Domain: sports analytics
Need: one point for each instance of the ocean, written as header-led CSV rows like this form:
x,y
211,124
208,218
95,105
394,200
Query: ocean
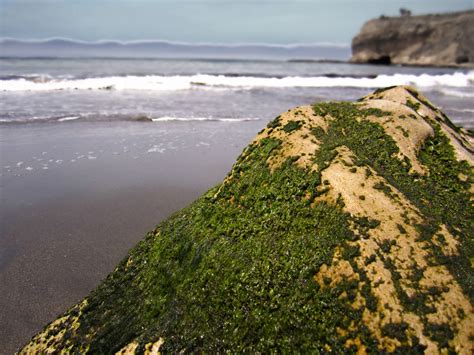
x,y
95,151
91,90
78,95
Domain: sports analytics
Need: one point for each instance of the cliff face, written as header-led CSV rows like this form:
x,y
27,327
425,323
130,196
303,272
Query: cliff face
x,y
342,227
432,40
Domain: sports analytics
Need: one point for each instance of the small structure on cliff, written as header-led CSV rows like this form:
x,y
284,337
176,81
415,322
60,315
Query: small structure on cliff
x,y
431,40
405,12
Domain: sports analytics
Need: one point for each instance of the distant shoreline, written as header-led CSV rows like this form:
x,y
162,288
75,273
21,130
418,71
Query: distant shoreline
x,y
465,66
165,49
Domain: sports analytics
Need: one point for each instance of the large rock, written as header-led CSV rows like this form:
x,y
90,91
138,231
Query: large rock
x,y
432,40
343,227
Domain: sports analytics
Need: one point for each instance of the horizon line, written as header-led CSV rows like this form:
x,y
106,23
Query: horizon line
x,y
182,43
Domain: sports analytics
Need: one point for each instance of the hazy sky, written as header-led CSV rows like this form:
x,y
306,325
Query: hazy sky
x,y
221,21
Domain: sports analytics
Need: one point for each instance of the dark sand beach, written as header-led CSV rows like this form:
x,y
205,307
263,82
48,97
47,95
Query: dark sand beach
x,y
65,228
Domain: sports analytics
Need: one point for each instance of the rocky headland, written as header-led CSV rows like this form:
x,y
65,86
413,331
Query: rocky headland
x,y
343,227
428,40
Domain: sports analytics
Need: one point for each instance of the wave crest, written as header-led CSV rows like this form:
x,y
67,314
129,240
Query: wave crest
x,y
206,82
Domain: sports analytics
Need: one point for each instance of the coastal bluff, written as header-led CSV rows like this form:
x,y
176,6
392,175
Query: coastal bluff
x,y
343,227
427,40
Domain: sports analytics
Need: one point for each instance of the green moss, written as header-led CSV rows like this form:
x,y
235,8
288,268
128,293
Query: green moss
x,y
366,223
370,259
350,252
415,106
376,112
275,123
318,132
378,91
292,126
396,330
404,131
401,229
441,333
386,246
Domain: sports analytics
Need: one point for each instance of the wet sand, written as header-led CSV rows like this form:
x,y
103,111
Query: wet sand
x,y
64,228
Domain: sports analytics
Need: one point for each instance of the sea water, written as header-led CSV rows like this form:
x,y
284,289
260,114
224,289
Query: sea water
x,y
160,90
115,100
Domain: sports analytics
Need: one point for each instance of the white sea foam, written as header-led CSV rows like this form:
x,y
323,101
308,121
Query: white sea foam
x,y
156,149
71,118
207,82
185,119
463,110
458,93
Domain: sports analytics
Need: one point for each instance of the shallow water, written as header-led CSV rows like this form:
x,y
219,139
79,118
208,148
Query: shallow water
x,y
63,90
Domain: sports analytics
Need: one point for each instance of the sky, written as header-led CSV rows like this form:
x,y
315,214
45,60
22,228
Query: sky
x,y
204,21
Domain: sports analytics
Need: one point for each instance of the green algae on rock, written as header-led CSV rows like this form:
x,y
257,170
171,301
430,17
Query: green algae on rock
x,y
343,227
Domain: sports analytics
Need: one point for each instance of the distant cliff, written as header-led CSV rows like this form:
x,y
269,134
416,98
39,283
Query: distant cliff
x,y
432,40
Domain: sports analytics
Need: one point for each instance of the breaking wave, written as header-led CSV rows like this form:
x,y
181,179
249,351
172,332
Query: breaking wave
x,y
120,117
187,119
210,82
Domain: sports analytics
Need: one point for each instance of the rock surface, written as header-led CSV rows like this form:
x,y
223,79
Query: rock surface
x,y
430,40
343,227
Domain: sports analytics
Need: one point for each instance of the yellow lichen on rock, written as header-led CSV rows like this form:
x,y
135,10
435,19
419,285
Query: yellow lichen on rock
x,y
129,349
150,348
154,348
50,339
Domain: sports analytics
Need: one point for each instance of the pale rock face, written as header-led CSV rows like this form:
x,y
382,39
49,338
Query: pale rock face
x,y
431,40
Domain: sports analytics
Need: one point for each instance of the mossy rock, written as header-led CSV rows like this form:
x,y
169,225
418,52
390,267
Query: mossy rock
x,y
343,227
